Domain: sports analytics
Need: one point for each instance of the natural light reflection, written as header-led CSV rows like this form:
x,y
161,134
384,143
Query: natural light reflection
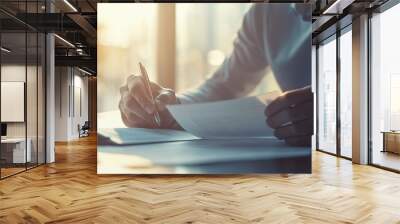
x,y
126,35
122,24
215,57
327,100
346,94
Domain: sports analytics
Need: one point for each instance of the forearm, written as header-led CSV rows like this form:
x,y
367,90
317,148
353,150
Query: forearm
x,y
223,85
203,94
213,89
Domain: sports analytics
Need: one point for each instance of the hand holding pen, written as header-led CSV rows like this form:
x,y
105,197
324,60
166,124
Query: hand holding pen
x,y
149,93
143,103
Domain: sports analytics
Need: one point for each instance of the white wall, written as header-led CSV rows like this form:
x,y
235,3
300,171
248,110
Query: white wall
x,y
79,117
13,101
16,73
70,84
62,81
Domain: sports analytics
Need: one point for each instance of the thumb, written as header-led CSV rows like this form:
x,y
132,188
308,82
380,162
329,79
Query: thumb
x,y
164,98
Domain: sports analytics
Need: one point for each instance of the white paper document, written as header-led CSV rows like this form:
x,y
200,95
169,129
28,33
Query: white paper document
x,y
131,136
243,118
239,118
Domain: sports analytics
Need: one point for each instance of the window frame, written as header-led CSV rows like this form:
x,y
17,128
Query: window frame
x,y
333,37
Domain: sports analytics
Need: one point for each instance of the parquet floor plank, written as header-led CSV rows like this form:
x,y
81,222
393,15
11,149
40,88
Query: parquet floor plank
x,y
70,191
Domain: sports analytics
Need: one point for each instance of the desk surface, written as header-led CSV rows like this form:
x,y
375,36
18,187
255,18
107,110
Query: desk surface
x,y
13,140
390,132
196,157
204,157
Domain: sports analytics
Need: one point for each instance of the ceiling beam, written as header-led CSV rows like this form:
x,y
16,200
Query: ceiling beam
x,y
78,61
84,24
337,7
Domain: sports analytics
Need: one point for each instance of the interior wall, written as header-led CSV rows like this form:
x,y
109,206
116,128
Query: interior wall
x,y
71,102
62,80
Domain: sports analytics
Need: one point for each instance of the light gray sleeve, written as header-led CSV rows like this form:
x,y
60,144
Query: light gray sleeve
x,y
242,70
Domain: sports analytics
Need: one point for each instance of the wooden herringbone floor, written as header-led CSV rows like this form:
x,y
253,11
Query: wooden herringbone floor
x,y
69,191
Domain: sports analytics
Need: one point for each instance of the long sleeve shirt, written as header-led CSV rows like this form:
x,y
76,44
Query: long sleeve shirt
x,y
272,35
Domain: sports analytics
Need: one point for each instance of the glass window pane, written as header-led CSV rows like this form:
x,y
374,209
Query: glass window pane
x,y
32,89
385,84
327,97
346,94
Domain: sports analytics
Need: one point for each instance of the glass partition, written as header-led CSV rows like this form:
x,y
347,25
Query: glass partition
x,y
14,153
31,99
22,88
346,94
385,89
327,96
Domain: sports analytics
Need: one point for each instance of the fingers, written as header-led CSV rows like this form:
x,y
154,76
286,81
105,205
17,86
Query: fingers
x,y
137,89
131,106
165,97
132,120
289,99
137,107
301,128
134,104
291,115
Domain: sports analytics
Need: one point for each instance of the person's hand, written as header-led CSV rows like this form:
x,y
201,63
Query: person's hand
x,y
137,108
291,115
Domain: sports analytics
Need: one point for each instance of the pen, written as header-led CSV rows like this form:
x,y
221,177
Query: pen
x,y
148,87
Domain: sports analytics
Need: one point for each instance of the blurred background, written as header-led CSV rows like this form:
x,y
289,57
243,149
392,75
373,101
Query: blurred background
x,y
179,44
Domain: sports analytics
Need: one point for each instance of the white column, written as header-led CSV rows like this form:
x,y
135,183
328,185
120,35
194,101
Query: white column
x,y
50,92
50,98
360,90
